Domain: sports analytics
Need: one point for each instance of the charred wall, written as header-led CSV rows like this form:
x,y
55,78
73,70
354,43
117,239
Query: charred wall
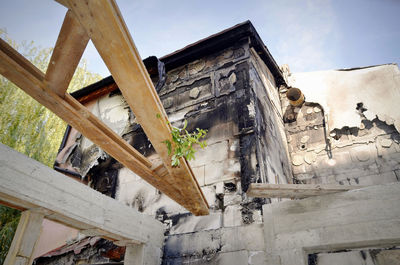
x,y
233,95
272,148
366,154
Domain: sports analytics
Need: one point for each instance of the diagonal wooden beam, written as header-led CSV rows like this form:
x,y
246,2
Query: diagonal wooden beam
x,y
295,191
25,75
71,43
111,38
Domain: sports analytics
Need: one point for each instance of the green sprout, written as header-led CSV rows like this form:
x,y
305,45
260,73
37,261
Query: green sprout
x,y
183,142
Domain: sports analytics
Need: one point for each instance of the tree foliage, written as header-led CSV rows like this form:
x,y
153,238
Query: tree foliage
x,y
29,127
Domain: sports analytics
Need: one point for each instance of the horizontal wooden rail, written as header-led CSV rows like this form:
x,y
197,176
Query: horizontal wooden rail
x,y
295,191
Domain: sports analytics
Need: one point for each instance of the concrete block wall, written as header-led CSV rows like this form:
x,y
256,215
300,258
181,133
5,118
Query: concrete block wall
x,y
335,228
226,245
233,95
364,155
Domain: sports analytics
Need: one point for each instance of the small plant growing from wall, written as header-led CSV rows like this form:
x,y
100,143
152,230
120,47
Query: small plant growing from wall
x,y
183,142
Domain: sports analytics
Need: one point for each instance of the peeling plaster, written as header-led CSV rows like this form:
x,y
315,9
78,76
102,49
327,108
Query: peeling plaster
x,y
114,113
339,92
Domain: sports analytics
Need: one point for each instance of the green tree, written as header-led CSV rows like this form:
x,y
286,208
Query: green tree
x,y
28,127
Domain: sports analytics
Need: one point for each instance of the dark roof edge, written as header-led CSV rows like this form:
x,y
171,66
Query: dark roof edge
x,y
203,47
93,87
364,67
220,41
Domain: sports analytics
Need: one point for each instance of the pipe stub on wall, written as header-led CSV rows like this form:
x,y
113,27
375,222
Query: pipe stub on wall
x,y
295,96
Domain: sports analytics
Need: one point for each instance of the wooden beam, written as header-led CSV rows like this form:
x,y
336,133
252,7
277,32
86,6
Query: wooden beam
x,y
295,191
71,43
30,79
25,238
69,110
111,37
29,184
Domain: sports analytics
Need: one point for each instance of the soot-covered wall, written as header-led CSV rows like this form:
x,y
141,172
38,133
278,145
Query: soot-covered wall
x,y
232,94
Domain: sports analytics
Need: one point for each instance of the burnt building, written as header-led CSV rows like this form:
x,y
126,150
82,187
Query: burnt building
x,y
342,131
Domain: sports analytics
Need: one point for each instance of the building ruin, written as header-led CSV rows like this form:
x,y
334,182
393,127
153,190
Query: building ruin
x,y
346,133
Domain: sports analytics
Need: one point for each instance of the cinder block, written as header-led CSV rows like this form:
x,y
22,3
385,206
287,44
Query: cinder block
x,y
199,174
233,216
260,258
232,199
209,193
387,177
221,171
212,153
192,243
230,258
191,223
222,131
248,237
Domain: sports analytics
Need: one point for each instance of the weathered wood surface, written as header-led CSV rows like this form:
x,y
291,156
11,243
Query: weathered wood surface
x,y
297,191
67,53
109,34
26,183
115,45
25,238
30,79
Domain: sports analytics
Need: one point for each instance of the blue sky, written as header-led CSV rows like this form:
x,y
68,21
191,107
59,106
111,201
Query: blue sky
x,y
308,35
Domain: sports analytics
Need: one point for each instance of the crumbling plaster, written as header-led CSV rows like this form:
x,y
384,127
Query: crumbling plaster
x,y
366,154
339,92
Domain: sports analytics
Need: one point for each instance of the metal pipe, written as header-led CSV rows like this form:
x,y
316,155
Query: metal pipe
x,y
295,96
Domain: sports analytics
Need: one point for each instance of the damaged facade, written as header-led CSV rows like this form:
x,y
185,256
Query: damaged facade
x,y
230,85
362,133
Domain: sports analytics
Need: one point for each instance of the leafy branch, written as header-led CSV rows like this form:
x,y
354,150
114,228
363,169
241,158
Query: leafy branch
x,y
183,142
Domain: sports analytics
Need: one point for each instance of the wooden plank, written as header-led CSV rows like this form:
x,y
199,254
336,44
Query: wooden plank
x,y
298,191
64,200
25,75
25,238
71,111
71,43
98,93
115,45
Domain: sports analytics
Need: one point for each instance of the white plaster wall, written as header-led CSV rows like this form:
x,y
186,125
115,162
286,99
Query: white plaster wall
x,y
339,91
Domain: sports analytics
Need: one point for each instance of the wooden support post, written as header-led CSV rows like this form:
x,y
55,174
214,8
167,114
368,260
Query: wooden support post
x,y
295,191
25,238
134,254
71,44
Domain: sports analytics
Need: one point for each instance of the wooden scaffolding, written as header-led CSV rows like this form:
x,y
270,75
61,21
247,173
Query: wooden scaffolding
x,y
43,193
